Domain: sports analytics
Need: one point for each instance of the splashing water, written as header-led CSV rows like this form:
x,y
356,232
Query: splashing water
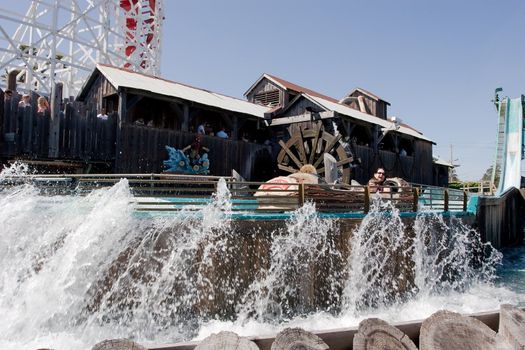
x,y
15,169
379,265
288,288
76,270
449,256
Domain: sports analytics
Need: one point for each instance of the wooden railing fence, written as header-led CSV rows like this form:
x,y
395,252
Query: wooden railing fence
x,y
170,192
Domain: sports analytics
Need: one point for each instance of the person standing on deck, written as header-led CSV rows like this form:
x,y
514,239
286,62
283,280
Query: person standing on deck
x,y
43,105
201,130
25,101
102,115
222,134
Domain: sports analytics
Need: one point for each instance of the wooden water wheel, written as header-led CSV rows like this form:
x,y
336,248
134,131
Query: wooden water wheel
x,y
308,146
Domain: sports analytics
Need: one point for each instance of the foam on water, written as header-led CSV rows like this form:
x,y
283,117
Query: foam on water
x,y
76,270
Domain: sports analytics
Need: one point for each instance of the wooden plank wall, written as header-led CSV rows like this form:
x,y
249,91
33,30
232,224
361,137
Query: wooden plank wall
x,y
416,169
500,220
143,151
82,136
25,132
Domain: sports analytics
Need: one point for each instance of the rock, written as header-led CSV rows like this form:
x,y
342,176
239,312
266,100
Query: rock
x,y
512,326
226,341
447,330
298,339
376,334
118,344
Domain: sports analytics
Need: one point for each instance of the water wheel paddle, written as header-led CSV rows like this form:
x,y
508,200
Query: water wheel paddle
x,y
308,146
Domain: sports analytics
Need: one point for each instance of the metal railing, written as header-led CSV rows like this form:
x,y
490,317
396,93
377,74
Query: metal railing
x,y
170,192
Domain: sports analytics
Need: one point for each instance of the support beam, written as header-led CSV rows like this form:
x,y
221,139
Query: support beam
x,y
185,118
54,125
122,120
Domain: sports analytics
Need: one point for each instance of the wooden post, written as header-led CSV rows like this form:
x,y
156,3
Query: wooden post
x,y
465,200
2,98
11,80
121,121
375,138
152,185
186,118
54,125
415,202
445,200
27,128
235,128
366,208
301,195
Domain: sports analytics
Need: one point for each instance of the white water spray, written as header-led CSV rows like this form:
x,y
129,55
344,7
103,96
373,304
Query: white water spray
x,y
288,288
379,268
75,270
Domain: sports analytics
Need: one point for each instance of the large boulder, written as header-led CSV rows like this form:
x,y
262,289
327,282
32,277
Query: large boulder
x,y
118,344
447,330
376,334
512,326
298,339
226,341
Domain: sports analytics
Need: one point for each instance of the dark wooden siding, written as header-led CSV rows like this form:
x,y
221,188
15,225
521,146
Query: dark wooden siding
x,y
500,219
143,151
100,89
416,168
84,137
266,86
81,136
374,107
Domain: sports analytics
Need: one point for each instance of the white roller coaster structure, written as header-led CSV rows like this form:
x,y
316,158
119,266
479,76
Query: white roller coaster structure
x,y
62,40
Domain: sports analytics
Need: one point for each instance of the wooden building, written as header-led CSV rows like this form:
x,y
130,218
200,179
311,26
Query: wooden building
x,y
280,127
149,113
366,102
358,120
441,171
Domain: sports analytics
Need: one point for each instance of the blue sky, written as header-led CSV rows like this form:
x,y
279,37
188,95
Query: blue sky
x,y
436,62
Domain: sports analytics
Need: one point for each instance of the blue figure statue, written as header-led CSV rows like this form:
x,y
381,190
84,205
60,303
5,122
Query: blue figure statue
x,y
192,163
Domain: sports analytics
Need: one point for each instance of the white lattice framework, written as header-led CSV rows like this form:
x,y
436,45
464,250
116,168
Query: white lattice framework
x,y
62,40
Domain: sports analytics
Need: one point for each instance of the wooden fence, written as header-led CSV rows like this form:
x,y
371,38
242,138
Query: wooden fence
x,y
81,136
500,219
143,151
84,136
